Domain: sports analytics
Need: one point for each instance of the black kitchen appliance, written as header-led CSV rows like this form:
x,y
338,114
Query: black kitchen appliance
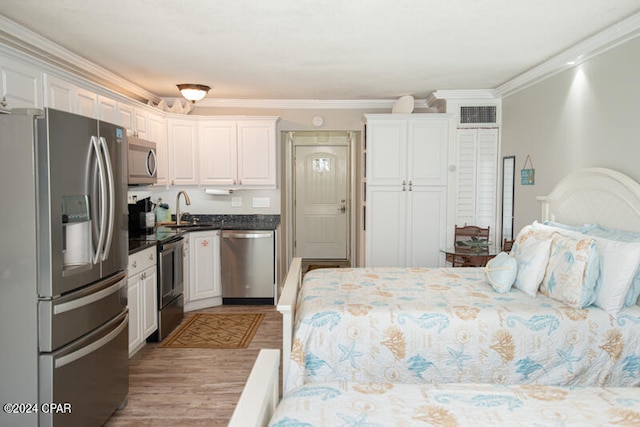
x,y
142,217
170,286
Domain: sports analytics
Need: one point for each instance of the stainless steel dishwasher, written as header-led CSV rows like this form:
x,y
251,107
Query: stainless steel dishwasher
x,y
248,267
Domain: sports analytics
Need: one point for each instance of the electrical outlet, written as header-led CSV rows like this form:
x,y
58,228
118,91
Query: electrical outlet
x,y
236,202
261,202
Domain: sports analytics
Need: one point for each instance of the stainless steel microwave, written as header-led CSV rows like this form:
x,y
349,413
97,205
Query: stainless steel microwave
x,y
143,163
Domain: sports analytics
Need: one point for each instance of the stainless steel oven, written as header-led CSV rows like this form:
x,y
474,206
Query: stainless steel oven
x,y
170,286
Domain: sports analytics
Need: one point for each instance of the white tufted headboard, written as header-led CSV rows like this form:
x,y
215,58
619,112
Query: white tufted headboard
x,y
594,196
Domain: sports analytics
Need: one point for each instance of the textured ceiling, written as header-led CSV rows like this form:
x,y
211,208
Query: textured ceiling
x,y
304,49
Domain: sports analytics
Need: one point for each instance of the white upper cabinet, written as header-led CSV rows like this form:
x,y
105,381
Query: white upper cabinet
x,y
66,96
141,123
427,151
257,153
59,94
183,151
386,152
158,134
413,151
218,152
86,103
20,85
135,120
107,109
238,153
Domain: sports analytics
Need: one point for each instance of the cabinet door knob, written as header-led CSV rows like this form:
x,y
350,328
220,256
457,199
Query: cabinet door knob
x,y
4,101
134,264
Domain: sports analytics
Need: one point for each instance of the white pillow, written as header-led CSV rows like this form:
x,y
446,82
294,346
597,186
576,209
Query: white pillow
x,y
531,252
619,262
621,236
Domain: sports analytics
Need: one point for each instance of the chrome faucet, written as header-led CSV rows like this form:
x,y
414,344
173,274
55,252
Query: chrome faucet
x,y
186,199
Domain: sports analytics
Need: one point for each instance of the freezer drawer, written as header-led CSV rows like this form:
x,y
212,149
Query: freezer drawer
x,y
247,265
62,320
91,375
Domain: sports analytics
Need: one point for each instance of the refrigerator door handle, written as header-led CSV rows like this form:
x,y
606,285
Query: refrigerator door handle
x,y
103,199
91,298
111,197
72,357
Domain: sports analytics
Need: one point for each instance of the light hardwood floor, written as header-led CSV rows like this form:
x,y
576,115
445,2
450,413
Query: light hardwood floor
x,y
193,387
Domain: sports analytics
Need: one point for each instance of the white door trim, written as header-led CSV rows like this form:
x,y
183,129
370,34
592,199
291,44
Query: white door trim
x,y
288,137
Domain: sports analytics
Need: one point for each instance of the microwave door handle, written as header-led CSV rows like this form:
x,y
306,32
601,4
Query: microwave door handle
x,y
103,199
152,162
111,196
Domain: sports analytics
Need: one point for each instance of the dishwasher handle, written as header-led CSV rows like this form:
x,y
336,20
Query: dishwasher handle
x,y
237,235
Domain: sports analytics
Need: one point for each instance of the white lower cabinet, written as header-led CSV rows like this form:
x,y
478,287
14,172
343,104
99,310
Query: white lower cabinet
x,y
142,298
205,288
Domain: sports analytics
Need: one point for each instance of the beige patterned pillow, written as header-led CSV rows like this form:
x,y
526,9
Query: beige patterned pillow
x,y
564,278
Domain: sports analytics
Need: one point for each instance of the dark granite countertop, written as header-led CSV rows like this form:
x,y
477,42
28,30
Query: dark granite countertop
x,y
202,223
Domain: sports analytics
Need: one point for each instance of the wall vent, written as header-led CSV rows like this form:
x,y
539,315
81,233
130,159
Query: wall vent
x,y
478,114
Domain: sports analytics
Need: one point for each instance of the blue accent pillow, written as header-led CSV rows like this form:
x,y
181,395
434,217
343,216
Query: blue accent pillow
x,y
579,228
501,272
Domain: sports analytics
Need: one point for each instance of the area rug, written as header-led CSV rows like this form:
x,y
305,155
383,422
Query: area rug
x,y
215,330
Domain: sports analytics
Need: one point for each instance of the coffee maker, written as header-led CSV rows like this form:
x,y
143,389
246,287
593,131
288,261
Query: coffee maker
x,y
142,217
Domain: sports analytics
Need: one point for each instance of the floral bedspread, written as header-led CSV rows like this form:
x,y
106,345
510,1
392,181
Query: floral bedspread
x,y
451,405
447,325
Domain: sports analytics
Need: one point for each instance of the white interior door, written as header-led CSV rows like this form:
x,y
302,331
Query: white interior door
x,y
321,202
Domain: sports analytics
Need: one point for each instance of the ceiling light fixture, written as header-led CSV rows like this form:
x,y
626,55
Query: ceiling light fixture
x,y
193,92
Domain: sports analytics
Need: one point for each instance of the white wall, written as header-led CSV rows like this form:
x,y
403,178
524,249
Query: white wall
x,y
586,116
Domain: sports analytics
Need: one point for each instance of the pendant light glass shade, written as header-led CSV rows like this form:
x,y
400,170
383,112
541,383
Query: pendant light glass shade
x,y
193,92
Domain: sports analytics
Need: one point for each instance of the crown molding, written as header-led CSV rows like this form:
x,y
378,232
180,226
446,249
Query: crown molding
x,y
305,104
595,45
26,41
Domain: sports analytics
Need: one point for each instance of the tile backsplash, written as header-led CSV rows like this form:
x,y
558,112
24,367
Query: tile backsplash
x,y
238,202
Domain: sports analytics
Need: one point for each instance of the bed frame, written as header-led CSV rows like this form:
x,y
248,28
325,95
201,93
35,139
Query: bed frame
x,y
586,196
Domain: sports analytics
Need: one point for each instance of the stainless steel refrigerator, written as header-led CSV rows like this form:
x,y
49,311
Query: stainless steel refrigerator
x,y
63,277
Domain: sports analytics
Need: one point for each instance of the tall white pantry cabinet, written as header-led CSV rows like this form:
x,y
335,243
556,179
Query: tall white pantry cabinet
x,y
405,181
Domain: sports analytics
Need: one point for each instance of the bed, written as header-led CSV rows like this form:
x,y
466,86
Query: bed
x,y
449,325
375,404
